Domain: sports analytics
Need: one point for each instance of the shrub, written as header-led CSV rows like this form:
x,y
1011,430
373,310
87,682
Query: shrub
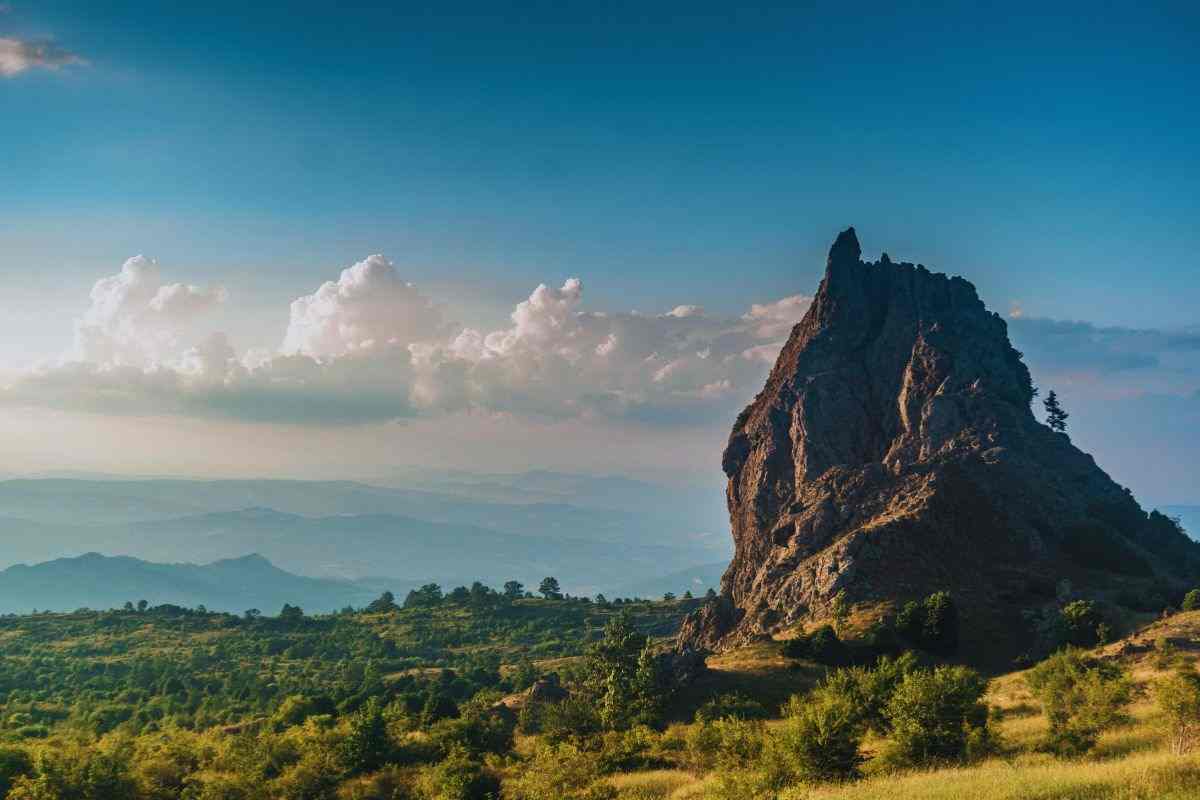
x,y
14,762
820,739
457,777
563,772
931,624
571,720
733,705
822,646
936,714
1080,698
1178,698
1191,600
1078,623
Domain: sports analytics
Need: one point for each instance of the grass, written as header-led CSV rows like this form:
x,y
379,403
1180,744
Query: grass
x,y
1130,762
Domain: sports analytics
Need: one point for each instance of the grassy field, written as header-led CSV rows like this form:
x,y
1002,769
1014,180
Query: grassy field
x,y
1131,762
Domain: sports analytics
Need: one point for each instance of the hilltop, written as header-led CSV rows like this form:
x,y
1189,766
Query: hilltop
x,y
893,453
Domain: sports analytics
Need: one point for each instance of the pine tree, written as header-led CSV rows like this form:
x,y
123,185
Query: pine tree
x,y
1056,417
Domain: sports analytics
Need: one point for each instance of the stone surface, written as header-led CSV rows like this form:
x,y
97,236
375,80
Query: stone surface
x,y
893,452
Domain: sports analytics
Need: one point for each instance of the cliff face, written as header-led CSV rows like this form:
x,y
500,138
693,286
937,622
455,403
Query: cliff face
x,y
893,453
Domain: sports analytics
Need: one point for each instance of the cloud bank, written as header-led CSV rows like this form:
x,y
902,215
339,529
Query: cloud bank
x,y
18,55
371,347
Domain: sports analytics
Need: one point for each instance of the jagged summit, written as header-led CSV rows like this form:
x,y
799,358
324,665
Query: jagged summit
x,y
893,453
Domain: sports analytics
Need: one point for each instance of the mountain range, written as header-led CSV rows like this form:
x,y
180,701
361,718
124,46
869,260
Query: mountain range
x,y
236,584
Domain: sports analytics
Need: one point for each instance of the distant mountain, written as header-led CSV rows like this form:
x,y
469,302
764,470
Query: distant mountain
x,y
405,549
103,502
613,532
96,581
696,580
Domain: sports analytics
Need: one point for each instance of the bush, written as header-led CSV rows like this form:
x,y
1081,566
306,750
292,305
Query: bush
x,y
931,624
820,739
822,646
1080,698
563,772
1191,600
733,705
1078,623
458,777
937,716
1178,698
14,762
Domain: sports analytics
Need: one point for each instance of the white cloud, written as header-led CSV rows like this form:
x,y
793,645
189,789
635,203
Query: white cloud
x,y
135,319
370,346
368,306
17,56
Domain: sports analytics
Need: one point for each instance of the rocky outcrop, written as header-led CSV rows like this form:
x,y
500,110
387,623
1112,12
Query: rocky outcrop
x,y
893,452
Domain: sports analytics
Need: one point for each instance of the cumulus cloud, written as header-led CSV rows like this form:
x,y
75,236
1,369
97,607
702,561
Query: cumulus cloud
x,y
369,305
135,319
371,346
18,55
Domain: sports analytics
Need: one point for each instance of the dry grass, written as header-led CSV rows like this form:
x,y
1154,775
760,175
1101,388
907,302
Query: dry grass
x,y
1130,762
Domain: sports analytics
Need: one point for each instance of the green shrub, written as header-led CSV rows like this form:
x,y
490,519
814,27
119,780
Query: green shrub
x,y
562,772
1078,623
937,716
1080,697
931,624
733,705
820,739
822,646
457,777
14,762
1178,698
1191,600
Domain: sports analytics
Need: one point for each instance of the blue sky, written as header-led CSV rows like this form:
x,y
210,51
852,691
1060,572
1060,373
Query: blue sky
x,y
665,153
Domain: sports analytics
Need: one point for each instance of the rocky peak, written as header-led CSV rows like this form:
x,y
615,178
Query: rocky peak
x,y
893,453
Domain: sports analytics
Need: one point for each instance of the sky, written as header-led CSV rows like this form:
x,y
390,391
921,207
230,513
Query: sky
x,y
322,240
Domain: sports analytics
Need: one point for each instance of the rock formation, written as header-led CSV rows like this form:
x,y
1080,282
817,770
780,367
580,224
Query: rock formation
x,y
893,453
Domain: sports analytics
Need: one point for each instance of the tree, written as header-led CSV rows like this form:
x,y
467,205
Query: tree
x,y
688,595
668,597
622,676
253,613
514,589
1178,697
839,609
549,589
290,613
385,602
142,605
711,594
1056,417
366,746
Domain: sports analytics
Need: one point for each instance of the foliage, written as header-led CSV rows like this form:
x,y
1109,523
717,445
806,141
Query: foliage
x,y
562,771
1056,416
931,624
1080,698
1178,698
937,716
734,705
822,646
1191,600
1079,622
820,738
